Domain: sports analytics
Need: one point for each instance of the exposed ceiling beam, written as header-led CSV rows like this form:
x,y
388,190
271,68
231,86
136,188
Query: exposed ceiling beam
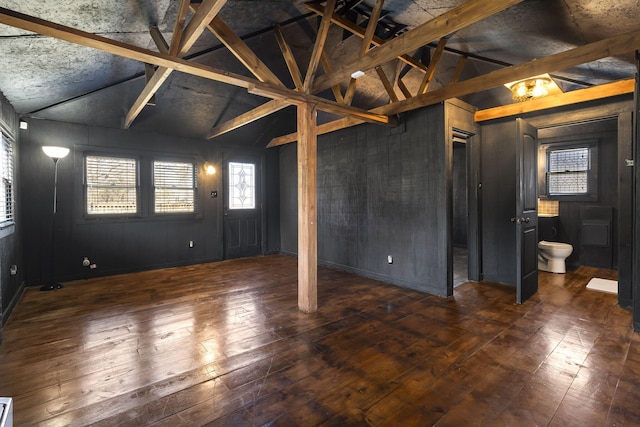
x,y
241,51
371,28
613,46
158,39
296,98
82,38
607,90
364,47
335,125
433,64
207,10
458,71
327,68
449,22
248,117
187,38
388,86
46,28
355,29
289,59
318,46
72,35
178,27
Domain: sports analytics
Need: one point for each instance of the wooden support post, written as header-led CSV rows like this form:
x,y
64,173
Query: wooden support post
x,y
307,227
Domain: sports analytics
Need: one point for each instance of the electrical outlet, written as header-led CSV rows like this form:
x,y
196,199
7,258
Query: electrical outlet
x,y
13,270
389,259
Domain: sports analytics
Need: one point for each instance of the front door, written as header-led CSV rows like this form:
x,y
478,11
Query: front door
x,y
242,207
526,216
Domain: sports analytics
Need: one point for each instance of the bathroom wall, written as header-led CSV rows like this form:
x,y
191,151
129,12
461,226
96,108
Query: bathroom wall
x,y
606,132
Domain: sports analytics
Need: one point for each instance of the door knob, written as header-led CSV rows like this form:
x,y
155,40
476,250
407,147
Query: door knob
x,y
526,219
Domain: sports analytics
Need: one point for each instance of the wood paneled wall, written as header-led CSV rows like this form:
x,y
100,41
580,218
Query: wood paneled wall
x,y
10,238
380,193
121,245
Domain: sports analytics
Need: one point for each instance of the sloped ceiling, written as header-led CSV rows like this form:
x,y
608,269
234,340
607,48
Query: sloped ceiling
x,y
44,77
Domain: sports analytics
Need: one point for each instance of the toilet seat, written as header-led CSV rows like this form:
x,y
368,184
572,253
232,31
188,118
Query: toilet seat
x,y
544,243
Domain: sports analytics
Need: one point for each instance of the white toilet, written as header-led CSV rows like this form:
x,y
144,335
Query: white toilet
x,y
551,256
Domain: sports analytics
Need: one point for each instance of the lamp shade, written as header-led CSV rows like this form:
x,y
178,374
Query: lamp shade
x,y
55,152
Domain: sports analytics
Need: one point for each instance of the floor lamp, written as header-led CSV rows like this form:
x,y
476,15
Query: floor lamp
x,y
56,153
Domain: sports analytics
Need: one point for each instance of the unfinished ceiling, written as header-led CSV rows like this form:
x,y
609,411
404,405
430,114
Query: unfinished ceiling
x,y
45,77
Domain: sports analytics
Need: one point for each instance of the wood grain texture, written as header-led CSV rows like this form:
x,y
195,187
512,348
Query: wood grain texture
x,y
449,22
606,90
307,215
224,344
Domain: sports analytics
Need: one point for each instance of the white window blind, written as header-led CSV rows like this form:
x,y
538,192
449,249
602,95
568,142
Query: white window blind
x,y
175,186
242,186
6,174
111,185
568,171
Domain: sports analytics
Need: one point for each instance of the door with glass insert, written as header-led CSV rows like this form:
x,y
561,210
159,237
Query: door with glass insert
x,y
242,213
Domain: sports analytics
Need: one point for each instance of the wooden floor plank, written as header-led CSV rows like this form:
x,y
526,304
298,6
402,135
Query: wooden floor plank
x,y
225,344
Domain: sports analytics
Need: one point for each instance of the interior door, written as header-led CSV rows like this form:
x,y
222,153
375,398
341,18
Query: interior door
x,y
526,216
509,206
242,207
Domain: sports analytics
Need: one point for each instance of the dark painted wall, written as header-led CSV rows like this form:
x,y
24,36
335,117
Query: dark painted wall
x,y
381,191
122,245
11,286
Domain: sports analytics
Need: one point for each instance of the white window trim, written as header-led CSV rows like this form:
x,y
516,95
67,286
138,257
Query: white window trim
x,y
191,206
88,185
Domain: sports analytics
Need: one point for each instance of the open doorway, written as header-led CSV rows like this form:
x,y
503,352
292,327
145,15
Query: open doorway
x,y
459,232
465,207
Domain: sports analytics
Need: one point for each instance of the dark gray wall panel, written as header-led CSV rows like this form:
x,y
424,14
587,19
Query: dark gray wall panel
x,y
570,220
381,191
120,245
11,286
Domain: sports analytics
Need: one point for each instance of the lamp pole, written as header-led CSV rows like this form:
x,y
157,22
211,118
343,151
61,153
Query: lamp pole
x,y
56,153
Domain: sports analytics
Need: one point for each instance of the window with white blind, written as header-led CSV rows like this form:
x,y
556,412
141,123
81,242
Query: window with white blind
x,y
111,185
174,186
571,171
6,172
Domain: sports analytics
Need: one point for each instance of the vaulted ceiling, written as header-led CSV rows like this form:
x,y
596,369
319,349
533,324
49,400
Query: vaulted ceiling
x,y
215,66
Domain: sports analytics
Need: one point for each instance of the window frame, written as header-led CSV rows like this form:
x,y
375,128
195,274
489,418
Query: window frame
x,y
85,186
592,173
195,188
7,223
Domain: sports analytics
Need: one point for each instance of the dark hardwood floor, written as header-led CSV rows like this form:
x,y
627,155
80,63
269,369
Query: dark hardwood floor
x,y
224,344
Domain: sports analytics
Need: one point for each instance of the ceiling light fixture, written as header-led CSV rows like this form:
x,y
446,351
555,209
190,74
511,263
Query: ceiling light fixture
x,y
528,89
357,74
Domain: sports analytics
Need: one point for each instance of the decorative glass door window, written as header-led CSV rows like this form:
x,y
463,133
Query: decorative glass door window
x,y
242,185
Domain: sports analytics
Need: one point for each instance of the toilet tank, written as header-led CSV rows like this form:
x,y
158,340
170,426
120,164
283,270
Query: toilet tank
x,y
548,227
